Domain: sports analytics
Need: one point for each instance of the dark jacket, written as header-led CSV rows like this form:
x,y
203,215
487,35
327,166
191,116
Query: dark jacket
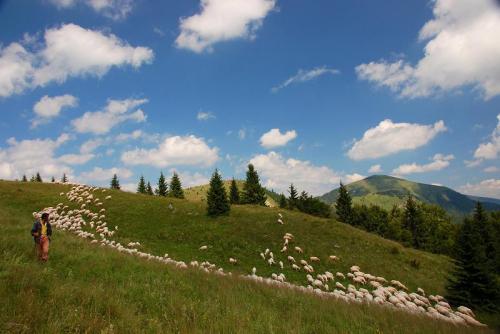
x,y
37,227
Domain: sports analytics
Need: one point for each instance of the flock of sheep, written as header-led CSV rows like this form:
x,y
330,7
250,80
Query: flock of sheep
x,y
88,221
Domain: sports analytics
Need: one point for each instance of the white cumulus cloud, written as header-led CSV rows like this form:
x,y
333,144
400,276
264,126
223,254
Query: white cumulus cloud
x,y
305,75
375,169
462,50
67,51
274,138
388,138
174,151
50,107
486,188
222,20
114,113
113,9
439,162
99,174
30,156
204,116
491,149
278,172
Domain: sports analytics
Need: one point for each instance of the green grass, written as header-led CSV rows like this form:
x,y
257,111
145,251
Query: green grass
x,y
87,288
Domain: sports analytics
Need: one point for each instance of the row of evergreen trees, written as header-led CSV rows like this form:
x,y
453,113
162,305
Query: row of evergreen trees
x,y
218,201
418,225
304,203
474,244
163,187
38,178
475,282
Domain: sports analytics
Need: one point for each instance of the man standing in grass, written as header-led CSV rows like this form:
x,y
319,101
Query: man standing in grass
x,y
41,232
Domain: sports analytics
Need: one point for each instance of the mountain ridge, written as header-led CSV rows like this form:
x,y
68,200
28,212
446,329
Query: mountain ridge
x,y
387,191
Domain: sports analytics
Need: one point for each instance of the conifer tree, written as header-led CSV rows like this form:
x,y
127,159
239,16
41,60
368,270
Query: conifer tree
x,y
38,178
343,205
412,221
282,201
64,178
149,189
141,187
217,201
162,186
473,282
25,179
115,183
234,193
53,180
293,199
253,192
176,187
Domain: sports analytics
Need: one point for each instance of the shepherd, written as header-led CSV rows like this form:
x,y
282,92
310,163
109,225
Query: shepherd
x,y
41,232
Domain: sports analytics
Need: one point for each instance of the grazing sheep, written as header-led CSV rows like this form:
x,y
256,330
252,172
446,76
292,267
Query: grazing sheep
x,y
421,291
262,256
295,267
355,268
108,197
466,310
340,275
233,261
333,258
314,259
299,250
280,215
281,264
254,271
340,285
283,249
267,251
303,262
270,261
204,247
280,221
291,259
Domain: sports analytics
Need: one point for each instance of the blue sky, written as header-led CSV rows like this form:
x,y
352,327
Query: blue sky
x,y
311,92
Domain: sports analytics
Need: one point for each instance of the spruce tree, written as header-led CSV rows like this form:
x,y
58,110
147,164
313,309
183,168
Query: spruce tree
x,y
149,189
115,183
64,178
162,186
176,187
282,201
293,199
343,205
253,192
141,187
25,179
473,282
412,221
217,201
53,180
234,193
38,178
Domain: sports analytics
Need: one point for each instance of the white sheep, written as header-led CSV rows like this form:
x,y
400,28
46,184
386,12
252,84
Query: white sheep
x,y
204,247
233,261
280,221
291,259
299,250
295,267
283,249
314,259
333,258
281,264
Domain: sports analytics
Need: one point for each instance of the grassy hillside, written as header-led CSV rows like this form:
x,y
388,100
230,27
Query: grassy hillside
x,y
387,191
85,287
199,193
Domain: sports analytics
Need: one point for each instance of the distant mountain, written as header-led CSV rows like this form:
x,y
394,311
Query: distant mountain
x,y
387,191
484,199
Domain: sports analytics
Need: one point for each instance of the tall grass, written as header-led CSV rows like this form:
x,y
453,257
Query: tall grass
x,y
87,288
